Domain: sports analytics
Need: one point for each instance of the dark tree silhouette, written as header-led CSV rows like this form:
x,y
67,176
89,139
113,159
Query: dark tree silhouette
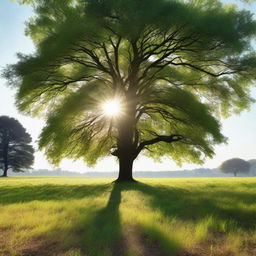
x,y
252,163
235,165
175,66
16,153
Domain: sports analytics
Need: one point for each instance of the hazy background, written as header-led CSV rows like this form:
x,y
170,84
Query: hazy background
x,y
239,129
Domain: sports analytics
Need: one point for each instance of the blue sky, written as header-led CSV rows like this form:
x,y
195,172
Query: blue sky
x,y
239,129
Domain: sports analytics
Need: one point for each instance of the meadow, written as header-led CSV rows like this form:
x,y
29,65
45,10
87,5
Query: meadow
x,y
153,217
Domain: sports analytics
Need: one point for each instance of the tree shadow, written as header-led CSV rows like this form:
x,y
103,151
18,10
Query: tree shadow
x,y
107,235
103,235
48,192
194,206
102,231
93,233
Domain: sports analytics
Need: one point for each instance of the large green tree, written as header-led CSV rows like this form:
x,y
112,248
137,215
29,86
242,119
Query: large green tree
x,y
175,67
16,153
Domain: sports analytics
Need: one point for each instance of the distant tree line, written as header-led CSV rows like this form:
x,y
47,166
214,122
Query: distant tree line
x,y
200,172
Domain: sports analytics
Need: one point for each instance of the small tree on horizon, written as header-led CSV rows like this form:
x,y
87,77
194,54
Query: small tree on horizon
x,y
175,67
235,165
16,153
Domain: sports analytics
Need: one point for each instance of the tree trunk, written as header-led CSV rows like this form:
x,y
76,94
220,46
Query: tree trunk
x,y
5,155
235,174
126,141
125,168
5,172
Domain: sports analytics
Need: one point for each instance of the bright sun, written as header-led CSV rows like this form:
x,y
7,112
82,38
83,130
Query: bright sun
x,y
112,108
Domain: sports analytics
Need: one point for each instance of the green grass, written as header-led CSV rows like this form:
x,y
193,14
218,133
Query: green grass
x,y
95,217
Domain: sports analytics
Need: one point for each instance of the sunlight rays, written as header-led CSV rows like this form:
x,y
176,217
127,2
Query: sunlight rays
x,y
112,108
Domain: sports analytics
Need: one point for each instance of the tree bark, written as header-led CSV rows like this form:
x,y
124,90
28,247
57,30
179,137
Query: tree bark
x,y
126,153
127,139
125,169
126,142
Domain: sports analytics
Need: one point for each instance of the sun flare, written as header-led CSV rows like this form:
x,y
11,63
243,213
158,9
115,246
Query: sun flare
x,y
112,108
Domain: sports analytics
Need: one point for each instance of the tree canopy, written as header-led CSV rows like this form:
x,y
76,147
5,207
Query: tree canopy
x,y
235,165
16,153
175,67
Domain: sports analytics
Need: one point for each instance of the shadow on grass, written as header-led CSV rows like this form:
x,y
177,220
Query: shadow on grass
x,y
103,234
189,205
22,194
100,232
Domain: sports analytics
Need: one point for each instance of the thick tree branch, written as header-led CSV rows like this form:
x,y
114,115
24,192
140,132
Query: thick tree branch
x,y
160,138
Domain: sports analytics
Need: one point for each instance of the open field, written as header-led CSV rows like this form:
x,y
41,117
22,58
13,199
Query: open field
x,y
77,216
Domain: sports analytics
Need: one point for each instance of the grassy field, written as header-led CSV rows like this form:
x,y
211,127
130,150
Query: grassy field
x,y
154,217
